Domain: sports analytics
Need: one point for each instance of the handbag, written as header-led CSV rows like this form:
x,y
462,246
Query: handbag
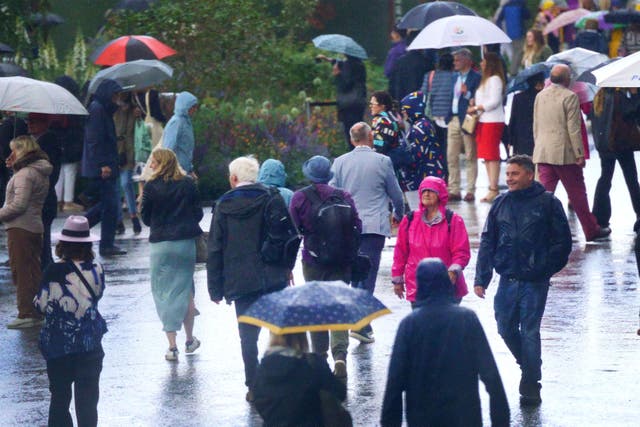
x,y
469,124
201,247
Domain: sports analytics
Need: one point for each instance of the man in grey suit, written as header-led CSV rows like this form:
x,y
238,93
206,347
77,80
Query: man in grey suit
x,y
369,178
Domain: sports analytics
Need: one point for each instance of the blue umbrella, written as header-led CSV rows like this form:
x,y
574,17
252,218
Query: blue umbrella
x,y
519,82
340,44
315,306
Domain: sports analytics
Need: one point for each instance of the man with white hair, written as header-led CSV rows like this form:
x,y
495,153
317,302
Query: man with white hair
x,y
236,267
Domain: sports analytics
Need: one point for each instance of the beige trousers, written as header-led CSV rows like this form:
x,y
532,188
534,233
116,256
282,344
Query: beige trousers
x,y
455,141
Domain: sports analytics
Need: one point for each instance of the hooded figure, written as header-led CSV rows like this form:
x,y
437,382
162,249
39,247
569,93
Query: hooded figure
x,y
100,142
178,133
441,237
439,352
272,173
426,152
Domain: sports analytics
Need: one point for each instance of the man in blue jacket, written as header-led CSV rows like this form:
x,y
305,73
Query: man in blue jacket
x,y
100,164
526,239
463,85
514,14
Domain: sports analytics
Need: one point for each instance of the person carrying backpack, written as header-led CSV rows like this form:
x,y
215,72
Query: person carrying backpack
x,y
328,220
432,231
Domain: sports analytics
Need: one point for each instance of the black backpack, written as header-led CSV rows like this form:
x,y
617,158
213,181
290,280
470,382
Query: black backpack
x,y
281,239
335,238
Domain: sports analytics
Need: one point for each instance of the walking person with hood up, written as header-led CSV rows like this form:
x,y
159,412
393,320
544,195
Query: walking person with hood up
x,y
178,133
430,231
440,352
100,164
272,173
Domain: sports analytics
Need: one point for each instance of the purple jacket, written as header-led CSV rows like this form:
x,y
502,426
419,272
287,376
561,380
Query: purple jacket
x,y
397,50
301,214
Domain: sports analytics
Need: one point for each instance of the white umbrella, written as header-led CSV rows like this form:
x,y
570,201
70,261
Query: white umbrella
x,y
22,94
624,72
134,75
459,30
579,59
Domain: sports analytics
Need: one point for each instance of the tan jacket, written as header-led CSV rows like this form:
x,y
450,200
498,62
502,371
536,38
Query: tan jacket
x,y
556,127
26,192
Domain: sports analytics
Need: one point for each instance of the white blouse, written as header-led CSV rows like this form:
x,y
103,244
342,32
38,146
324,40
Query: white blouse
x,y
489,96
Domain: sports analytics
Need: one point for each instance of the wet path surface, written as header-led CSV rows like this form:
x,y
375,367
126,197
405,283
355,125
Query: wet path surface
x,y
590,348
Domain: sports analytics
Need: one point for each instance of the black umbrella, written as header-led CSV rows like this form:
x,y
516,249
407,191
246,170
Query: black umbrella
x,y
8,69
588,77
519,82
134,5
424,14
622,17
6,48
46,20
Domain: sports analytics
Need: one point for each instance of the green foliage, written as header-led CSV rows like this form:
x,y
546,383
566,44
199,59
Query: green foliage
x,y
227,48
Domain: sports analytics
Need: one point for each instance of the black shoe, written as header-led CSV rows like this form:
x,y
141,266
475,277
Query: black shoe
x,y
120,228
636,226
137,228
530,394
112,250
601,234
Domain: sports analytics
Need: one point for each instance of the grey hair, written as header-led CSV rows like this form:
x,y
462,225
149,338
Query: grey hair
x,y
463,52
360,132
244,168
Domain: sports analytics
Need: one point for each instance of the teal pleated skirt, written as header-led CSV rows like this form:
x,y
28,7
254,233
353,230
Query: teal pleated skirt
x,y
172,267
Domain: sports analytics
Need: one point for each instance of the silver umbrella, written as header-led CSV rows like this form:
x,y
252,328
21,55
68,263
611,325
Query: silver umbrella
x,y
22,94
340,44
134,75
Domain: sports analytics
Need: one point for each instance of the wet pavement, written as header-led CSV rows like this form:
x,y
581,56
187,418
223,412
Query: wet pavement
x,y
589,342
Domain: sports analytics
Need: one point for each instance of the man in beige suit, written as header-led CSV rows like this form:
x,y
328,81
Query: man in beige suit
x,y
558,151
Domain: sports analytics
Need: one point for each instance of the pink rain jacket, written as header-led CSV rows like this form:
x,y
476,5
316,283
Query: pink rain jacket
x,y
418,240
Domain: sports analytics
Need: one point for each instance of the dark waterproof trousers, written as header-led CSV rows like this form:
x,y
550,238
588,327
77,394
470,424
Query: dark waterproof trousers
x,y
519,306
105,211
83,371
601,199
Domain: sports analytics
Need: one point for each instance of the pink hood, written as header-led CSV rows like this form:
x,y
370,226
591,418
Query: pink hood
x,y
439,186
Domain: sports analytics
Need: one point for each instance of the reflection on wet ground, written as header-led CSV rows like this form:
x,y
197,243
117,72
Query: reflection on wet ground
x,y
590,346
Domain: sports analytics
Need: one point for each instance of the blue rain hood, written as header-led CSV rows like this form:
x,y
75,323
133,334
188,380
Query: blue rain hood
x,y
184,102
272,173
414,105
178,133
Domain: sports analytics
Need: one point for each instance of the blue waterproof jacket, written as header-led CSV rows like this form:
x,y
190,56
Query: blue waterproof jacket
x,y
178,133
272,173
526,237
100,142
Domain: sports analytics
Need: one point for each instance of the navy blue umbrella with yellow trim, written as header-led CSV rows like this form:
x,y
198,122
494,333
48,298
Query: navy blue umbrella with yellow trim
x,y
315,306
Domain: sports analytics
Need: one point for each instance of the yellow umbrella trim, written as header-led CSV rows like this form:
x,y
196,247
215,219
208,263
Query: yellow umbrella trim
x,y
313,328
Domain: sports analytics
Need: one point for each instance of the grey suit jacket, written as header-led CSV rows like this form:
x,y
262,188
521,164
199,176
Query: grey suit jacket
x,y
369,178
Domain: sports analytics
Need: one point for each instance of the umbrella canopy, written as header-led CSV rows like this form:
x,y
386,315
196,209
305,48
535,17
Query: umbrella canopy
x,y
579,59
314,306
340,44
519,82
624,72
130,48
22,94
8,69
424,14
598,15
134,75
622,17
134,5
46,20
588,76
459,30
565,18
4,48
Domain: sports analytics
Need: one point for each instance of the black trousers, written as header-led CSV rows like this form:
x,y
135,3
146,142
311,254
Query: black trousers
x,y
83,371
601,199
248,339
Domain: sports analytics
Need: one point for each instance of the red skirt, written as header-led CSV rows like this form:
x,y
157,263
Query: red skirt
x,y
488,136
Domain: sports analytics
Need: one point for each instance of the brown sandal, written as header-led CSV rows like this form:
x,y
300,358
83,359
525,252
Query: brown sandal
x,y
491,195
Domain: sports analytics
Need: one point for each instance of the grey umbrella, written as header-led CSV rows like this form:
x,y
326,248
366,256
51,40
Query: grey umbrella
x,y
340,44
8,69
134,75
6,48
46,20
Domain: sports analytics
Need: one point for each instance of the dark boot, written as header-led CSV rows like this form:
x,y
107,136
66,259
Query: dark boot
x,y
530,393
120,229
137,228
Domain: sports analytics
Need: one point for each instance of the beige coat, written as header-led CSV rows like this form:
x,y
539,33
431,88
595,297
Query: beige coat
x,y
556,127
26,192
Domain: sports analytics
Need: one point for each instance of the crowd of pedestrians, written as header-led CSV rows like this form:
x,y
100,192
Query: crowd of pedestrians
x,y
398,176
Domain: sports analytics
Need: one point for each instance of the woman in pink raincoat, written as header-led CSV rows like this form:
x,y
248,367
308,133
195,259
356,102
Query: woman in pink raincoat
x,y
430,231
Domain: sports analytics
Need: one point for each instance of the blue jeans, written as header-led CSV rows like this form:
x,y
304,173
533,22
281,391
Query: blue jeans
x,y
519,306
371,245
129,191
106,210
